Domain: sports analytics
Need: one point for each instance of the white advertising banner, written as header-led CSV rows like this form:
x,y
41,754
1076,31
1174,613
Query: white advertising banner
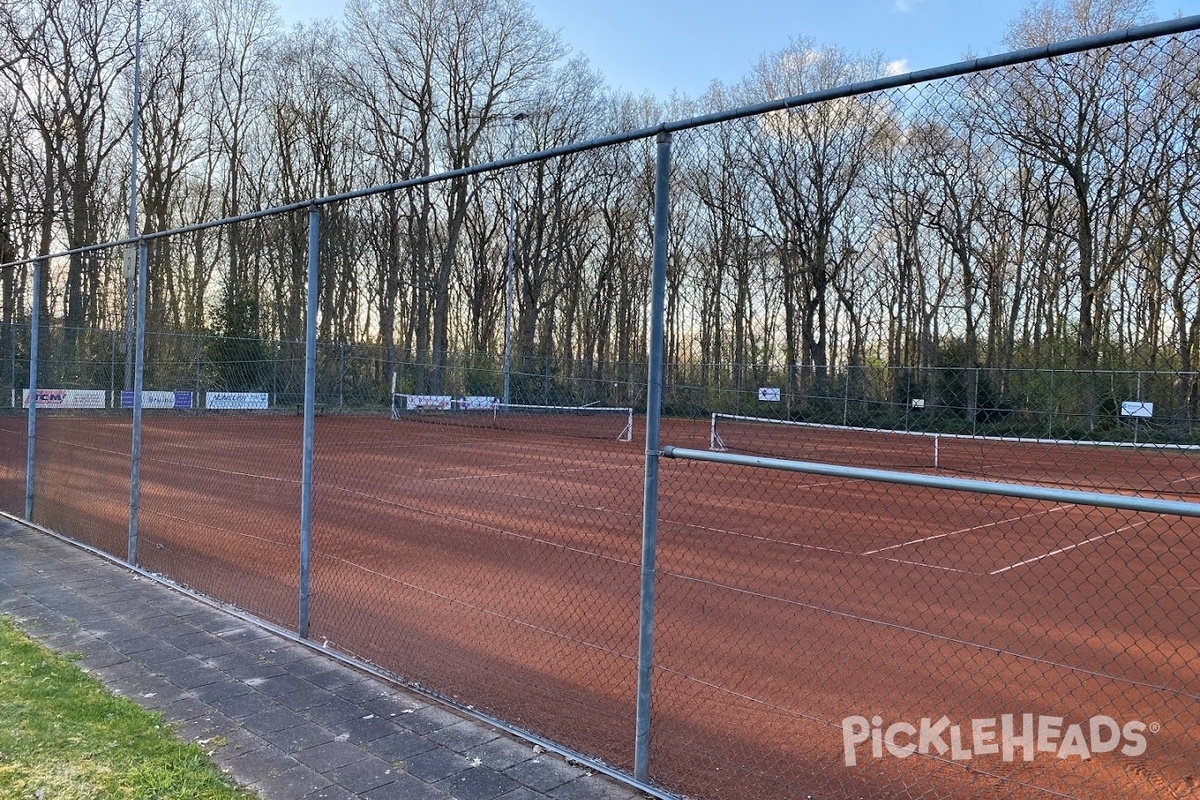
x,y
437,402
480,403
1137,408
150,399
67,398
236,401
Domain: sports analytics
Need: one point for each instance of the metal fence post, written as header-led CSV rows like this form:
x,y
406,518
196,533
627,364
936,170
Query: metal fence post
x,y
341,374
139,368
199,366
310,392
31,427
641,757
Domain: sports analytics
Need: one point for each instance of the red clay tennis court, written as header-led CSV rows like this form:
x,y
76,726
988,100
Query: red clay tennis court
x,y
500,568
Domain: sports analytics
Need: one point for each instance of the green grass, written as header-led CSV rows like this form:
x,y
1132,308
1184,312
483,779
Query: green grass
x,y
63,736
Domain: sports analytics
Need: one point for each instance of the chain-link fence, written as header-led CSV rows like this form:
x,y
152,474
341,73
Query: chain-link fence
x,y
916,514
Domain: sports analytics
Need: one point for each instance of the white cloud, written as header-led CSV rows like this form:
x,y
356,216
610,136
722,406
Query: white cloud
x,y
897,67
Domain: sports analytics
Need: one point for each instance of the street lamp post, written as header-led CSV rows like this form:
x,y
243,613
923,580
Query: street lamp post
x,y
130,266
510,278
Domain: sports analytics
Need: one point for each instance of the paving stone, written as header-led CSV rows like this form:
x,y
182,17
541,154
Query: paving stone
x,y
258,765
478,783
361,691
221,690
304,699
543,773
501,753
281,685
334,792
295,784
185,708
522,793
366,728
312,665
592,787
330,756
463,735
336,678
245,666
299,737
272,721
426,720
436,764
333,712
405,787
401,746
364,775
392,705
244,705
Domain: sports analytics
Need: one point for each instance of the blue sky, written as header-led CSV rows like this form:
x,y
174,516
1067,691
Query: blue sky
x,y
676,44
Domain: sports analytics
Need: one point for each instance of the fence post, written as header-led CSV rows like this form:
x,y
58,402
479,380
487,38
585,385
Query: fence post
x,y
341,374
139,367
846,397
641,757
31,426
310,392
196,400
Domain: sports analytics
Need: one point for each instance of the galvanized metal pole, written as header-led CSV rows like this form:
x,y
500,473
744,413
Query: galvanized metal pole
x,y
134,128
31,427
310,396
641,756
510,278
139,368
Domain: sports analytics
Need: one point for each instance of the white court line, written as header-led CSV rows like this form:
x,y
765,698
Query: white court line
x,y
967,530
930,566
1061,550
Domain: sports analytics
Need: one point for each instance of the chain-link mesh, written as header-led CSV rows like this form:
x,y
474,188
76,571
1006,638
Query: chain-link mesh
x,y
222,444
488,550
826,637
990,277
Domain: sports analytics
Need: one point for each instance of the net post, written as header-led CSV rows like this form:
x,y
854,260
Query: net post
x,y
395,413
662,169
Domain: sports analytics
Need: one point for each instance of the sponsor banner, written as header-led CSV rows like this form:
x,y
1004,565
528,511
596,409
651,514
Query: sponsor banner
x,y
236,401
173,400
768,394
478,403
1136,408
67,398
437,402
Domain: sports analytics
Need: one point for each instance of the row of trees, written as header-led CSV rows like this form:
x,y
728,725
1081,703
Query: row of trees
x,y
1045,215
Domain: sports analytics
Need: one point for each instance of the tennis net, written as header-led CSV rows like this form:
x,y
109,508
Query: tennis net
x,y
485,413
1165,469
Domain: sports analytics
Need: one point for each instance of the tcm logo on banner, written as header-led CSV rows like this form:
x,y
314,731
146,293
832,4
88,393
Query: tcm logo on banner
x,y
67,398
236,401
172,400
